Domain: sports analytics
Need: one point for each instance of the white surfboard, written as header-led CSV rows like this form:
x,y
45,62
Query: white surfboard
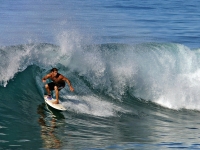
x,y
55,106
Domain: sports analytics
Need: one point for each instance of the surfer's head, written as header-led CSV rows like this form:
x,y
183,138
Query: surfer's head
x,y
54,71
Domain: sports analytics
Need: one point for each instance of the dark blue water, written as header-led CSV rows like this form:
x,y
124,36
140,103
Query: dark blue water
x,y
134,66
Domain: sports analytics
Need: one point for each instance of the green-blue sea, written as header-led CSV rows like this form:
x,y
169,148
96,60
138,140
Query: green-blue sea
x,y
134,65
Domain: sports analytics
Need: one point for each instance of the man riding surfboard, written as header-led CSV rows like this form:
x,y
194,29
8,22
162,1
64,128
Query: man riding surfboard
x,y
58,83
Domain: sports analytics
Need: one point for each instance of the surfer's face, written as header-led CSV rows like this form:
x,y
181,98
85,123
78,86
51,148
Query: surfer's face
x,y
54,73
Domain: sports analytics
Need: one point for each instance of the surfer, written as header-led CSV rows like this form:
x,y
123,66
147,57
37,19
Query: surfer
x,y
57,84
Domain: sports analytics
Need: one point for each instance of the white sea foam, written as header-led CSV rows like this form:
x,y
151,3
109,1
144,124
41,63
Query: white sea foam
x,y
91,105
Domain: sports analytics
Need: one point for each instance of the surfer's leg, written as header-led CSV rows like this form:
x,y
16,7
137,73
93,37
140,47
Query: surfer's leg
x,y
47,89
57,95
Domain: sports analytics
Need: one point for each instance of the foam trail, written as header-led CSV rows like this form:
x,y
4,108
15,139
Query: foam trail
x,y
91,105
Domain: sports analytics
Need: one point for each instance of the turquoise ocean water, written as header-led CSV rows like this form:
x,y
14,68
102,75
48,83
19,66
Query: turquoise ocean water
x,y
135,67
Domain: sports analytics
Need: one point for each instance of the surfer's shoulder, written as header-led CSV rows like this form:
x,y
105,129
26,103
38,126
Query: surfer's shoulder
x,y
49,75
61,76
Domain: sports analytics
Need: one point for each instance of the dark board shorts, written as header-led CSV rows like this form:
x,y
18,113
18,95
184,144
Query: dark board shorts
x,y
60,85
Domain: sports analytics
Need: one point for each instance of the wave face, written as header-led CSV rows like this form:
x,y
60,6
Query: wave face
x,y
110,81
167,74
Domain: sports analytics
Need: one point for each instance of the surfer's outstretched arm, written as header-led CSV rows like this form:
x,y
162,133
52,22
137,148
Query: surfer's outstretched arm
x,y
69,84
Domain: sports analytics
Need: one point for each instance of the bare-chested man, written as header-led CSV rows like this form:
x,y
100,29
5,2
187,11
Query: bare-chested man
x,y
57,84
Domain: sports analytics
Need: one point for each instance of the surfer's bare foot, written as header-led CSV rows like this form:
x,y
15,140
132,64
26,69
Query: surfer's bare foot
x,y
56,102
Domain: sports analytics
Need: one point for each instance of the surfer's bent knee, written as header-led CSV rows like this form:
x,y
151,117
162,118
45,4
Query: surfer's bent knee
x,y
55,88
46,86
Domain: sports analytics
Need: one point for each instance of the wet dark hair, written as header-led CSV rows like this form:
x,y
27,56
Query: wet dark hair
x,y
54,69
